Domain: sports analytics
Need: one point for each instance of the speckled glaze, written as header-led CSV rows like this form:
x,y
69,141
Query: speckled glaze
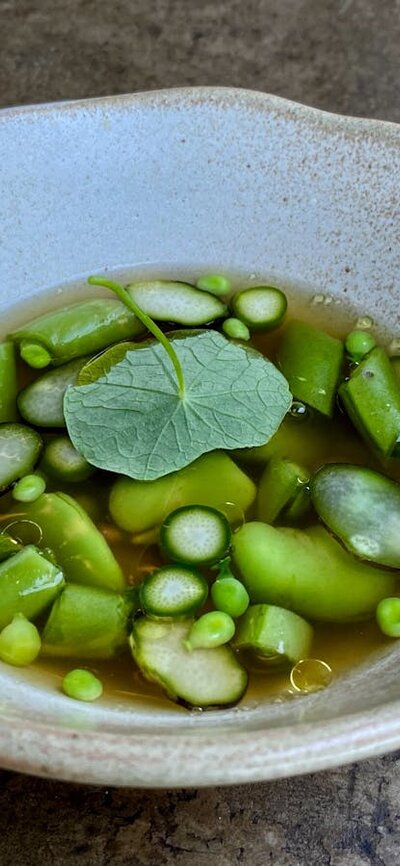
x,y
178,180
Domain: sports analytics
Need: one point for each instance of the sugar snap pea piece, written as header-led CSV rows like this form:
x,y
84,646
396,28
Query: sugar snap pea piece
x,y
274,634
86,622
309,572
371,398
71,332
362,508
41,402
311,361
20,449
261,308
63,463
29,582
281,484
168,301
78,546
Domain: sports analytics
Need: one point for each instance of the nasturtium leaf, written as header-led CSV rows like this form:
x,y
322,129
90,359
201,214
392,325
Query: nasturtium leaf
x,y
131,419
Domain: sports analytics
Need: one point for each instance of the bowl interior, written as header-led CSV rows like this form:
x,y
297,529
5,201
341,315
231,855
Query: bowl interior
x,y
176,182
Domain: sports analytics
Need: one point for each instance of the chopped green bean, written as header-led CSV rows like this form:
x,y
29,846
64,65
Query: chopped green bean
x,y
216,284
29,488
359,343
34,354
71,332
371,398
274,634
82,685
86,622
235,329
19,642
311,361
388,616
280,484
28,584
211,630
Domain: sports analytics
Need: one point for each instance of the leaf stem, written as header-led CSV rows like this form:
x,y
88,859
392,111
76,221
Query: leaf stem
x,y
126,299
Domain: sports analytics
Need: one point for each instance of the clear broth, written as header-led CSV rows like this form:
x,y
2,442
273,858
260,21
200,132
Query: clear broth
x,y
340,646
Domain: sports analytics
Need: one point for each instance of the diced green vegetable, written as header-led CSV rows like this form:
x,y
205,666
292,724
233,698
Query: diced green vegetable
x,y
28,488
308,572
86,622
274,634
82,685
63,463
200,678
20,449
8,383
173,590
388,616
281,483
311,361
19,642
138,506
213,629
261,308
28,584
195,535
42,402
235,329
216,284
79,547
371,398
362,508
167,301
71,332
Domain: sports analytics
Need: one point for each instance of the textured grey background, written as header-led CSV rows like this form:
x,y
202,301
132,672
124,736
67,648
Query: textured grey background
x,y
341,55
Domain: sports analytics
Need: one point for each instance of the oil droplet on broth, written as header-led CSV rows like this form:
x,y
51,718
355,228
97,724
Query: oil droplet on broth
x,y
311,675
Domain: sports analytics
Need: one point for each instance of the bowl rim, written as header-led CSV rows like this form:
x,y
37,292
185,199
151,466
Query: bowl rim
x,y
92,756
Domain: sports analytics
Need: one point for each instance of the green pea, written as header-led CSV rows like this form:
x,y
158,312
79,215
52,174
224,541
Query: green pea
x,y
19,642
235,329
82,685
388,616
216,284
230,596
359,343
35,355
211,630
29,488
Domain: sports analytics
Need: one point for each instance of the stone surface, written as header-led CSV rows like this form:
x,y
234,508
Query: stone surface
x,y
341,55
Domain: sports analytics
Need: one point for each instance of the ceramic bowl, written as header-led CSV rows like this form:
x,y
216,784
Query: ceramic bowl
x,y
174,182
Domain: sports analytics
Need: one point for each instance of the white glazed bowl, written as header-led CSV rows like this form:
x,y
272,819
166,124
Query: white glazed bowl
x,y
172,182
